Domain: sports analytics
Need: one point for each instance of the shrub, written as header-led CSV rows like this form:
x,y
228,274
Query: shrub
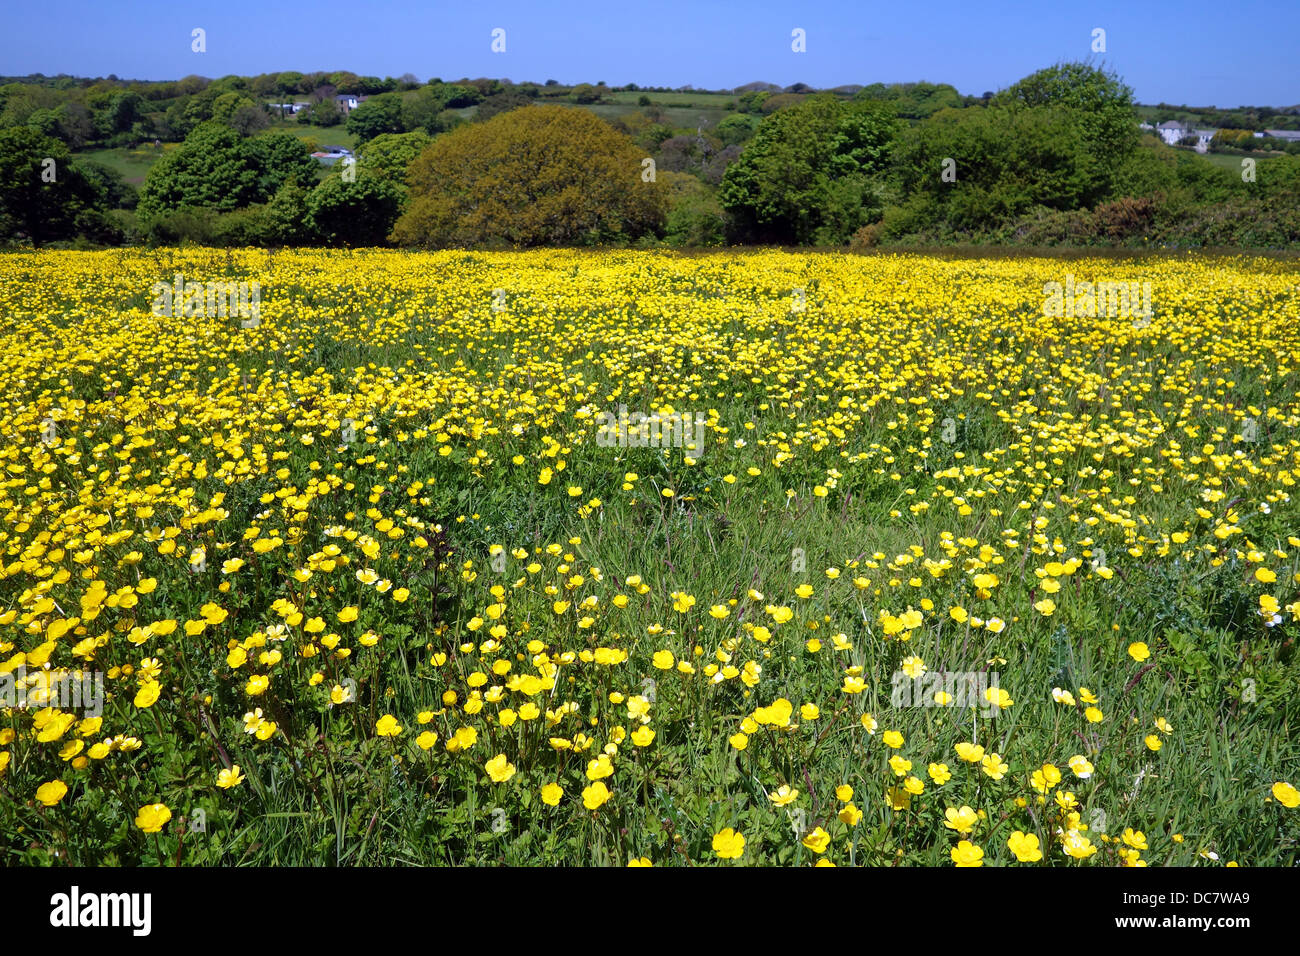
x,y
541,175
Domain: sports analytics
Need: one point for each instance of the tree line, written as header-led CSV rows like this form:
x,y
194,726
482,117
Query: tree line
x,y
1056,158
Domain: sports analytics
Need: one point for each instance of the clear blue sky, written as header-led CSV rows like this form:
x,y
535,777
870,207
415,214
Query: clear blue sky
x,y
1199,52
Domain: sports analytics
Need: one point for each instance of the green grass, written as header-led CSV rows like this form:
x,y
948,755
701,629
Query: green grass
x,y
132,165
321,135
1101,443
688,100
1233,162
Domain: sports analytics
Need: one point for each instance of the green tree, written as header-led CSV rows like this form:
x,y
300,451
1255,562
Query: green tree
x,y
124,111
387,156
215,169
695,218
811,173
737,128
913,100
974,169
248,119
1098,102
541,175
377,115
36,207
286,217
279,158
322,113
359,213
427,109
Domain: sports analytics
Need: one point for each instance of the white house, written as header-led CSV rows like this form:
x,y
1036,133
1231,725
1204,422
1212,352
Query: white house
x,y
1174,132
347,102
1171,131
1289,135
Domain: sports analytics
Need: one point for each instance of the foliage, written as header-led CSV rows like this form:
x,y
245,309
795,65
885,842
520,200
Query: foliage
x,y
541,175
809,173
359,213
40,210
913,101
1096,101
999,162
215,169
388,155
695,217
376,116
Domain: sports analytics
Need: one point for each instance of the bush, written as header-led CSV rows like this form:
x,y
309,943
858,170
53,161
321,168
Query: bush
x,y
806,176
1007,161
867,237
188,224
243,227
695,217
359,213
541,175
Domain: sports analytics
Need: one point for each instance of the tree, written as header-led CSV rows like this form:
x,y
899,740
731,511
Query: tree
x,y
34,206
249,119
285,217
737,128
810,172
210,169
322,113
694,218
1099,103
289,82
115,191
427,110
913,100
280,158
387,156
686,154
214,168
76,128
540,175
124,110
379,114
501,103
358,213
225,106
1002,162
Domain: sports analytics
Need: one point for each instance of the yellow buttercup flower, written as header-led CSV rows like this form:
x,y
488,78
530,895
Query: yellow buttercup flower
x,y
230,778
967,854
728,844
499,769
153,817
48,794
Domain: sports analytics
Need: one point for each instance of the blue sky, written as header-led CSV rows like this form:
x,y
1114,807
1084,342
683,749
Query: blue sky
x,y
1224,53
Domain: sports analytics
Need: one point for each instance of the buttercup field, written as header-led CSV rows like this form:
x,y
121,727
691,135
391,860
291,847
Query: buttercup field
x,y
946,576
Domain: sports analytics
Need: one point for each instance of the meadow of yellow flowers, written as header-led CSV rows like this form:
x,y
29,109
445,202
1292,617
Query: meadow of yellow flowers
x,y
635,558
